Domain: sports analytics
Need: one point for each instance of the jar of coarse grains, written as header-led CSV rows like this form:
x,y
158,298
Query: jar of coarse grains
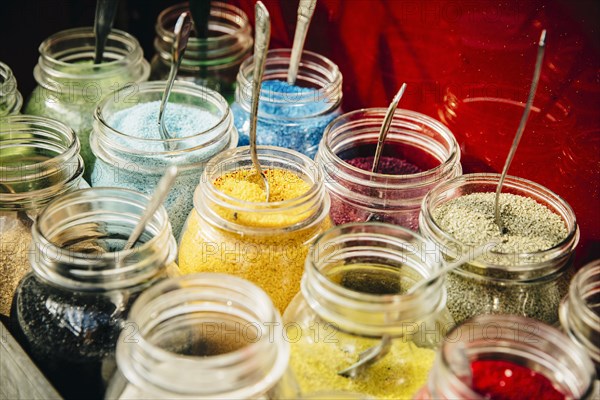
x,y
213,61
10,97
418,154
290,116
68,312
39,160
131,153
232,229
580,311
203,336
508,357
354,297
70,84
528,271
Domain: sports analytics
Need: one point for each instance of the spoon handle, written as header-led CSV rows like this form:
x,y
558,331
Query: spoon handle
x,y
306,9
160,194
385,127
103,22
200,10
262,37
182,30
513,149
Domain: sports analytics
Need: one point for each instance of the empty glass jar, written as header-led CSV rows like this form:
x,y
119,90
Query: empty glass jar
x,y
212,62
69,311
526,283
419,151
70,85
39,160
203,336
508,357
10,97
353,298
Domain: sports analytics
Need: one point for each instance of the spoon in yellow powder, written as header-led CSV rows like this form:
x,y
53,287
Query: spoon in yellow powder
x,y
261,47
377,352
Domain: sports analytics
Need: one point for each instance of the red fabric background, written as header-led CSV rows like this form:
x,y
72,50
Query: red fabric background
x,y
475,46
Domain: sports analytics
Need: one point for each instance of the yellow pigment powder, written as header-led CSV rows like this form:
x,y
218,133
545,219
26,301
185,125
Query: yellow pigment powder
x,y
399,375
272,258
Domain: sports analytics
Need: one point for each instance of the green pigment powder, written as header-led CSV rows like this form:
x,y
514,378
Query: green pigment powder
x,y
530,227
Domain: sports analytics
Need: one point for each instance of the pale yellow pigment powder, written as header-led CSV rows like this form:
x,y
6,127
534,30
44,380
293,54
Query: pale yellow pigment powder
x,y
272,258
398,375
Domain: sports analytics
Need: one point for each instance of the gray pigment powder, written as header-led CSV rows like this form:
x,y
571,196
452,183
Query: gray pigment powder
x,y
529,227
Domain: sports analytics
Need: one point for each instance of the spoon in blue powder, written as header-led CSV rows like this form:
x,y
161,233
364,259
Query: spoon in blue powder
x,y
182,30
306,9
103,22
513,149
261,47
160,194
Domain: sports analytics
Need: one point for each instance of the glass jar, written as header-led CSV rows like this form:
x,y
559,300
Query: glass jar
x,y
10,97
358,195
137,160
70,84
68,312
203,336
265,243
353,295
212,62
292,117
39,160
529,284
514,347
580,311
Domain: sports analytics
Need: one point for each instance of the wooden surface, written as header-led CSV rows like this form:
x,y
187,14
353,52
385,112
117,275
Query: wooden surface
x,y
19,377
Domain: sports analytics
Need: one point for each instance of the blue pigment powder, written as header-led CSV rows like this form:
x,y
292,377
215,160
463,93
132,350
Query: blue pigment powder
x,y
123,160
284,120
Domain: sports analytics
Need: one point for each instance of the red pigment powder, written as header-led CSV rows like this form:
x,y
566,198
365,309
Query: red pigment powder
x,y
387,165
503,380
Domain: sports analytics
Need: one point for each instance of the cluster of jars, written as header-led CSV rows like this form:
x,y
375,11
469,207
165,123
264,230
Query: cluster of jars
x,y
194,310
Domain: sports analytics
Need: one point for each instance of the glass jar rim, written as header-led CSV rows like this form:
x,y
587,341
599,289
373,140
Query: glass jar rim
x,y
514,182
380,307
208,189
332,88
70,151
170,294
7,78
87,31
216,6
453,157
117,260
158,87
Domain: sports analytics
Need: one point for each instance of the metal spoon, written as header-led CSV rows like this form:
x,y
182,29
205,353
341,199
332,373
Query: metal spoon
x,y
103,22
385,127
306,9
200,10
377,352
521,128
261,47
182,30
160,194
